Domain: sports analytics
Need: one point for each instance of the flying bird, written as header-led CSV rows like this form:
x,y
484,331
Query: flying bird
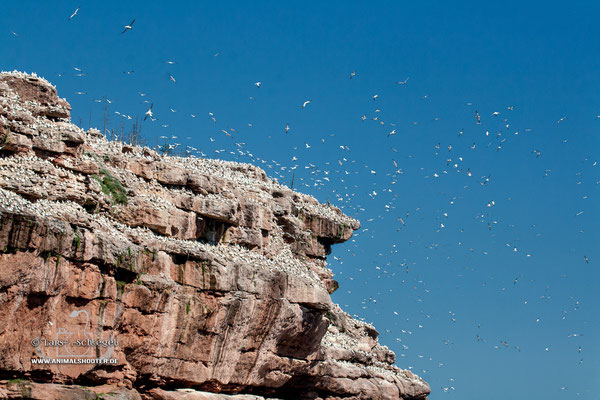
x,y
74,14
305,103
257,84
287,128
477,117
353,74
402,82
128,27
172,78
149,113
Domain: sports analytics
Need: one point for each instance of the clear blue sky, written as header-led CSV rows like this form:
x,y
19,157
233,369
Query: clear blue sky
x,y
520,284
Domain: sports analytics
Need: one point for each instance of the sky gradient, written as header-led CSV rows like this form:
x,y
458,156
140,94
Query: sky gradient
x,y
478,257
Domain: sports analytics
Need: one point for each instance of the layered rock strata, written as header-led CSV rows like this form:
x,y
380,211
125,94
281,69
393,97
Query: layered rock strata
x,y
207,279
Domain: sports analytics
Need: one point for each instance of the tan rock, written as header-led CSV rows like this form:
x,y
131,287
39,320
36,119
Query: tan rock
x,y
206,273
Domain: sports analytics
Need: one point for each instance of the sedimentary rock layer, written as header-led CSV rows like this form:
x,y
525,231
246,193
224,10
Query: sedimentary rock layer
x,y
210,277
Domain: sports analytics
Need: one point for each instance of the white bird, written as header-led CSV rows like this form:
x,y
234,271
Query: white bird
x,y
561,120
305,103
375,97
257,84
74,14
402,82
149,113
172,78
170,62
128,27
393,132
353,74
287,128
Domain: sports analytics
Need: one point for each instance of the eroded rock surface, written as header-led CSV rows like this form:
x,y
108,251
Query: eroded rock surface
x,y
211,277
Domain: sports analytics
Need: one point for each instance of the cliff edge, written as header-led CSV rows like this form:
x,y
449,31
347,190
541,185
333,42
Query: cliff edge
x,y
195,278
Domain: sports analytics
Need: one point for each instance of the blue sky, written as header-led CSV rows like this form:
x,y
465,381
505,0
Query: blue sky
x,y
520,284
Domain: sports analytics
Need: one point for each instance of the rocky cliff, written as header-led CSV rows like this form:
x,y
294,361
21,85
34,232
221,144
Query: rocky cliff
x,y
197,278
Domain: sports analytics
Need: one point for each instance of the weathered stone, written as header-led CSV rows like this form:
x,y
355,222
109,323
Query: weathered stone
x,y
14,142
208,274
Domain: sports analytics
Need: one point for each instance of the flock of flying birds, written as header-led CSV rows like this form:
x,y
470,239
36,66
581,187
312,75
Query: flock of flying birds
x,y
337,175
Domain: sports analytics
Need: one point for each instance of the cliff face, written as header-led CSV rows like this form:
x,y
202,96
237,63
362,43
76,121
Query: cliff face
x,y
208,275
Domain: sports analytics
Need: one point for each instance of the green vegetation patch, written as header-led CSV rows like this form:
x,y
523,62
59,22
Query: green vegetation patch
x,y
23,386
111,186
